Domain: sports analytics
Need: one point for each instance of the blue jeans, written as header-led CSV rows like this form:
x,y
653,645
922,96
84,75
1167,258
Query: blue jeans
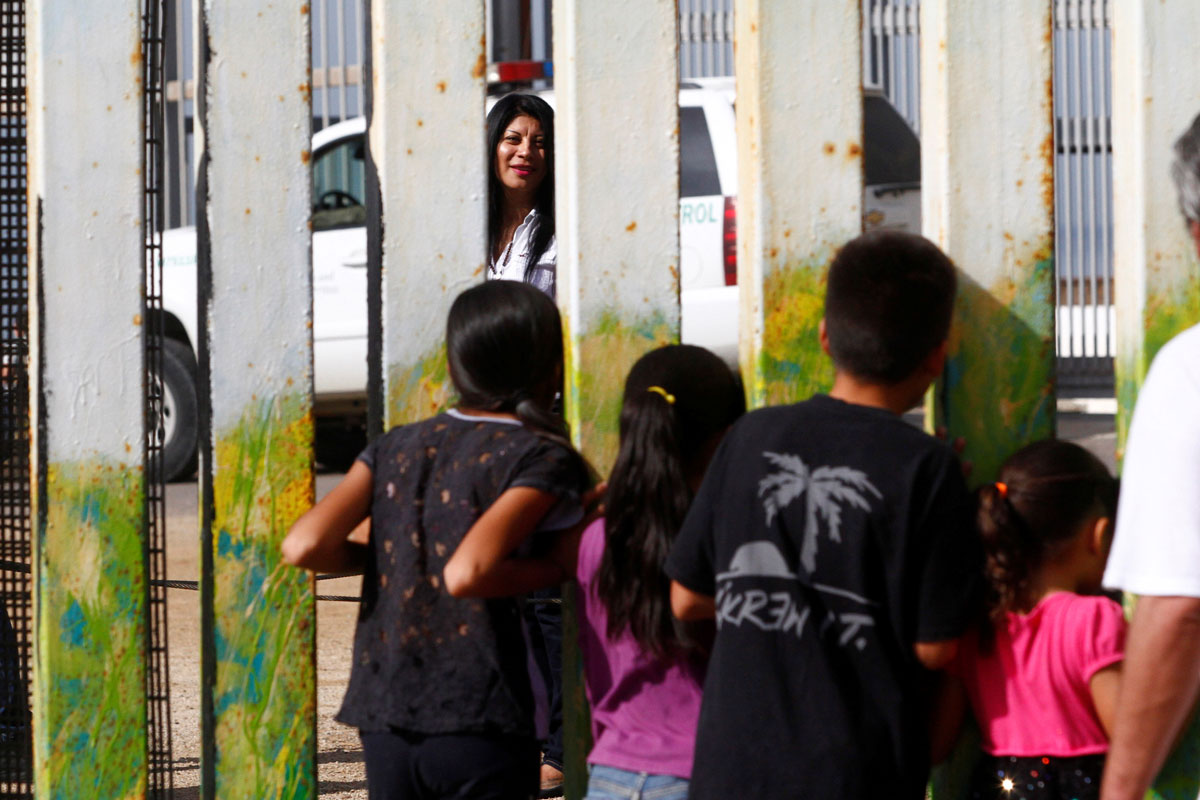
x,y
610,783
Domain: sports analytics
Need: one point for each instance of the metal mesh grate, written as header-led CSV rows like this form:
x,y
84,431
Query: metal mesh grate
x,y
16,756
158,696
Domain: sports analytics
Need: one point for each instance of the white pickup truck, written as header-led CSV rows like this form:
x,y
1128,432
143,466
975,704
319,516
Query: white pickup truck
x,y
708,275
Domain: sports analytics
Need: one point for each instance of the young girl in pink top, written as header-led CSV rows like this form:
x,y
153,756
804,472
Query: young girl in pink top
x,y
1042,673
643,672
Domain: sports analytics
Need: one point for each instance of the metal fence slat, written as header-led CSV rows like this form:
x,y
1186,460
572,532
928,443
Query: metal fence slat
x,y
258,623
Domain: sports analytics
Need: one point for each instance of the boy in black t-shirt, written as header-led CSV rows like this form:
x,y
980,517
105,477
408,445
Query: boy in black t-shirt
x,y
832,541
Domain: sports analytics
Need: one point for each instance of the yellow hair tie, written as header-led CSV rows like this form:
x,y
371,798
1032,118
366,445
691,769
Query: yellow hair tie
x,y
670,398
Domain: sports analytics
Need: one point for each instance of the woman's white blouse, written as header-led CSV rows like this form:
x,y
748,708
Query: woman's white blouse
x,y
511,264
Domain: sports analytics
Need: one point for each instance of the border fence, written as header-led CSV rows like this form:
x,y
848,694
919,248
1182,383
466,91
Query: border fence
x,y
81,483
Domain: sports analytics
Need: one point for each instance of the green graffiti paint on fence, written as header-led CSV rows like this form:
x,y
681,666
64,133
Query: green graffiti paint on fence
x,y
263,693
596,378
1166,314
89,707
421,390
791,365
998,389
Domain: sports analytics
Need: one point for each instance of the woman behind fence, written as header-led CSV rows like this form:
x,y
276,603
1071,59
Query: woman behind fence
x,y
521,247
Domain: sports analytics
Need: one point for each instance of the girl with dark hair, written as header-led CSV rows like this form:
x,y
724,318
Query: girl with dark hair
x,y
439,687
1041,672
520,139
643,670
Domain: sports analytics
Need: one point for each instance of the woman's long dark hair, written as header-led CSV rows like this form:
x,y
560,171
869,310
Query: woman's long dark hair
x,y
1045,492
504,348
507,109
662,440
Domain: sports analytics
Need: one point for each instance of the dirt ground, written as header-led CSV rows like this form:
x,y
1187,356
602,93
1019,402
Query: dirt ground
x,y
339,757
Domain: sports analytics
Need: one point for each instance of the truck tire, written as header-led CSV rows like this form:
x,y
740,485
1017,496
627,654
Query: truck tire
x,y
179,433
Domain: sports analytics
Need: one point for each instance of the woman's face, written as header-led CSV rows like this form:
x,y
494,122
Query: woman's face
x,y
521,155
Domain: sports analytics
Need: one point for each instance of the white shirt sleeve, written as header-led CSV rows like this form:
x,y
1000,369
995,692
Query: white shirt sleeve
x,y
1156,550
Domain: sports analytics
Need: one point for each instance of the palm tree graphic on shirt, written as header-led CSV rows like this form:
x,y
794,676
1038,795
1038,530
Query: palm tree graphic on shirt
x,y
825,488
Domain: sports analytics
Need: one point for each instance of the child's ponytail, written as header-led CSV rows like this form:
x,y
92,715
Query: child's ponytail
x,y
1013,552
678,401
1045,492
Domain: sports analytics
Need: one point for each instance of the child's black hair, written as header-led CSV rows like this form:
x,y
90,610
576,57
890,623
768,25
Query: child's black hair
x,y
662,438
1045,491
504,349
507,109
888,303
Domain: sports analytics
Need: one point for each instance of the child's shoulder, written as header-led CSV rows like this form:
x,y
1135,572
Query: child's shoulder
x,y
1086,610
824,422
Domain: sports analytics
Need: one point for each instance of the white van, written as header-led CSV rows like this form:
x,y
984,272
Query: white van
x,y
708,264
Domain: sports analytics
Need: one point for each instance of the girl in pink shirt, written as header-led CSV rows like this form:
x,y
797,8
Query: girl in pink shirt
x,y
643,671
1041,673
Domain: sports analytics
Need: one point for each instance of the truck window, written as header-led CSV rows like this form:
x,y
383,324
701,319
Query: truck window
x,y
697,165
338,191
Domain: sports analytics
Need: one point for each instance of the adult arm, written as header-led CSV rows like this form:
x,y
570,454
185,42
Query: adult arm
x,y
1158,691
319,540
483,565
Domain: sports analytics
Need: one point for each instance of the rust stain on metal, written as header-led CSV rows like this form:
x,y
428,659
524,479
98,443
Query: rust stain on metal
x,y
1008,236
136,56
774,252
1046,153
631,227
787,233
304,9
441,86
829,148
247,212
420,123
305,156
137,319
853,150
305,91
480,68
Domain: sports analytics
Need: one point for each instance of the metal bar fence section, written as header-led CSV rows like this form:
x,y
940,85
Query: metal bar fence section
x,y
705,39
788,231
16,756
86,176
258,683
1086,342
158,693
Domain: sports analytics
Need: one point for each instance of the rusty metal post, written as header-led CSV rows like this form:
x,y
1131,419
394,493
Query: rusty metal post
x,y
987,188
427,139
86,275
1154,99
1156,95
258,696
617,155
799,182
